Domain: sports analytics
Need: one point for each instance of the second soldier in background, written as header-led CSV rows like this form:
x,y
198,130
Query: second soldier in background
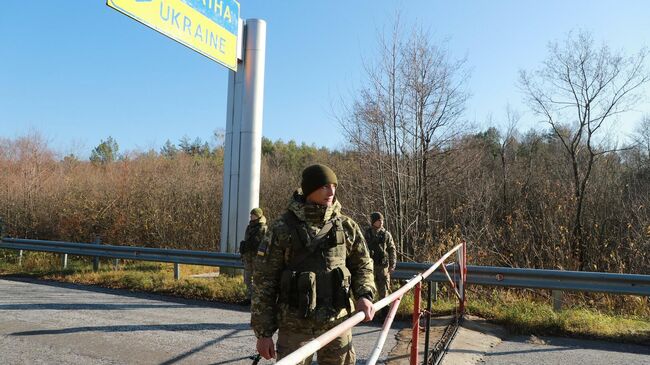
x,y
382,251
248,247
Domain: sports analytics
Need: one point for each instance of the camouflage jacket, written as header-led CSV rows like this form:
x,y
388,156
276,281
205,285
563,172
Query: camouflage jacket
x,y
382,247
276,252
254,235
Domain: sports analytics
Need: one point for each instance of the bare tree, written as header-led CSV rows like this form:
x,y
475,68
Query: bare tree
x,y
408,112
642,137
435,100
579,88
506,146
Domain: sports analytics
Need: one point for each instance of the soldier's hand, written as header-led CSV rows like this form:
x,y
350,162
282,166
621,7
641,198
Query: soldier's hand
x,y
365,305
266,347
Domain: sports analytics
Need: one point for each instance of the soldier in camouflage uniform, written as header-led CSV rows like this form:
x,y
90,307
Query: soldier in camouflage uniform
x,y
382,251
248,247
310,264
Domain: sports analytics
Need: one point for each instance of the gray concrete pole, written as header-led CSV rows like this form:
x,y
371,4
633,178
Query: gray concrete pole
x,y
251,127
231,158
243,142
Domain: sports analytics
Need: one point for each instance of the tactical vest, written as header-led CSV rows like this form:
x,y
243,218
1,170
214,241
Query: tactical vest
x,y
377,247
251,240
316,281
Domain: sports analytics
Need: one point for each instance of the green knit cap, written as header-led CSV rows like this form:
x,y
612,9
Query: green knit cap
x,y
375,216
258,212
315,176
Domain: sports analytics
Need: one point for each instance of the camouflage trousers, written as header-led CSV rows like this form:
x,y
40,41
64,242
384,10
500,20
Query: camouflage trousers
x,y
294,334
247,259
382,281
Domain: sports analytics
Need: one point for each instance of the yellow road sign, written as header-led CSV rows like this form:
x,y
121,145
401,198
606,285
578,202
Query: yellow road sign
x,y
209,27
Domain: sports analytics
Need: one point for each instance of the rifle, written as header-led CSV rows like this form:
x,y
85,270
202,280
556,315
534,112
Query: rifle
x,y
255,358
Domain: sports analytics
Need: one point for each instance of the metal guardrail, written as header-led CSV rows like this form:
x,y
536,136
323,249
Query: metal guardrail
x,y
632,284
126,252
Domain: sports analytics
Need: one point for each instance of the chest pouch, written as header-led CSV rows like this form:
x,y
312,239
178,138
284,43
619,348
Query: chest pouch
x,y
378,251
288,292
243,247
306,290
341,287
339,235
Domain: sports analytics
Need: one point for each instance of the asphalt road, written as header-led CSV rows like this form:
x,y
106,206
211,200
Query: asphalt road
x,y
484,343
523,350
53,323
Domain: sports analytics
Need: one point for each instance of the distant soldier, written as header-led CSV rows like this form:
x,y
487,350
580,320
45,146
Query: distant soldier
x,y
382,250
248,247
310,264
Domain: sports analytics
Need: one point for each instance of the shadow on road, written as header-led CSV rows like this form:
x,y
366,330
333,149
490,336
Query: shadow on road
x,y
84,306
198,348
138,327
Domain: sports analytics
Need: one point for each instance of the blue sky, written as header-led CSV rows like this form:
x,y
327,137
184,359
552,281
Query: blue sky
x,y
77,71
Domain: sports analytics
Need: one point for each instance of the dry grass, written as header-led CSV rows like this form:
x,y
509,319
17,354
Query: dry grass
x,y
137,276
527,312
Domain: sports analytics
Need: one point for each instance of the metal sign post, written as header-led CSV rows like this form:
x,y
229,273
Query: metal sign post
x,y
243,142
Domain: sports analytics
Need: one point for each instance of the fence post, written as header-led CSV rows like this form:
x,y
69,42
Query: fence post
x,y
116,264
98,241
416,323
435,291
557,300
428,330
20,257
460,258
177,271
64,261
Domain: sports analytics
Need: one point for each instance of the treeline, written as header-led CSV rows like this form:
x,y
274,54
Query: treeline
x,y
509,198
165,198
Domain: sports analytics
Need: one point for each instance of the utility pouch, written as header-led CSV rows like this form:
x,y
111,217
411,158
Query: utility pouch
x,y
379,257
306,288
341,287
243,247
340,236
288,288
336,234
339,233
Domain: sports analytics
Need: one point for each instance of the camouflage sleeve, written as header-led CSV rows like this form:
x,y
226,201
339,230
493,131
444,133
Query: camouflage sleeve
x,y
359,263
269,264
392,251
